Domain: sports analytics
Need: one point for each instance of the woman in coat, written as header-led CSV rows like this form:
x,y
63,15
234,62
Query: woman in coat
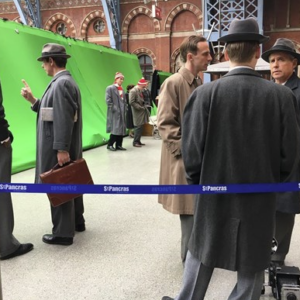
x,y
116,113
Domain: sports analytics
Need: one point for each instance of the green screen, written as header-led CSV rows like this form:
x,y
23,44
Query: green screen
x,y
92,66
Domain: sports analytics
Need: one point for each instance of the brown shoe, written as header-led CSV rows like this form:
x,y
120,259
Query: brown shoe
x,y
137,145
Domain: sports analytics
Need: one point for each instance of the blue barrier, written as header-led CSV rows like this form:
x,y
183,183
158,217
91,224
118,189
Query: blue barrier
x,y
149,189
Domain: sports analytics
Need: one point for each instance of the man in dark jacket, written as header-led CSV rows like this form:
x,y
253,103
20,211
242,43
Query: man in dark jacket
x,y
284,60
9,245
238,129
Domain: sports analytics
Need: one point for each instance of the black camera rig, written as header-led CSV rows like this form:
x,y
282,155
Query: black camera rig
x,y
283,280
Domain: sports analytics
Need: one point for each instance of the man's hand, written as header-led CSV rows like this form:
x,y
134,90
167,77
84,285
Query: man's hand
x,y
26,93
63,157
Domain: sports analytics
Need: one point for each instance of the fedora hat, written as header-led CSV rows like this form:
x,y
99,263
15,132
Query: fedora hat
x,y
282,45
243,31
53,50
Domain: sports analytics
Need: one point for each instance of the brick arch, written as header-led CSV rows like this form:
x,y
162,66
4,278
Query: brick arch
x,y
146,51
88,19
173,59
18,20
134,13
178,9
60,17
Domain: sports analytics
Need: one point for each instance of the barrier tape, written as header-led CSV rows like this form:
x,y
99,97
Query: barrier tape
x,y
149,189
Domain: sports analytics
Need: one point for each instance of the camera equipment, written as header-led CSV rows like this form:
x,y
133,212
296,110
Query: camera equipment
x,y
283,280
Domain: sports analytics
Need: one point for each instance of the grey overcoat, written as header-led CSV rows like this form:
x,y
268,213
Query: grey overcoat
x,y
140,113
116,111
63,133
173,96
239,129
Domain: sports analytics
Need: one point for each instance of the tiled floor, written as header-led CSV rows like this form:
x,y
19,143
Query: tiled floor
x,y
130,250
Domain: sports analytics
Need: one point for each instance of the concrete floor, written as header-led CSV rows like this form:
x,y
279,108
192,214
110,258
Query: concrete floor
x,y
130,250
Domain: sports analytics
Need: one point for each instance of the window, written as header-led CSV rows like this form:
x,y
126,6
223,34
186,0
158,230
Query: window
x,y
146,66
99,26
61,28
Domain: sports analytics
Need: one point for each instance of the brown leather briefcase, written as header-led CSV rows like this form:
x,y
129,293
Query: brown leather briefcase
x,y
75,172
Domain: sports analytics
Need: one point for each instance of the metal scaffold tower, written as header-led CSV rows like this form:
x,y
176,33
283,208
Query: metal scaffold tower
x,y
112,15
29,11
218,14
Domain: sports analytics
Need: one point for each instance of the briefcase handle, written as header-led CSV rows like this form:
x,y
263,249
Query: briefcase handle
x,y
57,166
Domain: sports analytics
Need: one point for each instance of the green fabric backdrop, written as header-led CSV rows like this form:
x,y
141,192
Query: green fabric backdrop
x,y
92,66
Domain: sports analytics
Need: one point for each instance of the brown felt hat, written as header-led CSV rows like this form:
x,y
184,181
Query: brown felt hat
x,y
53,50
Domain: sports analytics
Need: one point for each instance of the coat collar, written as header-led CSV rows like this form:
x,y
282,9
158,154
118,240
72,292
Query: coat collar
x,y
187,75
293,82
243,71
65,72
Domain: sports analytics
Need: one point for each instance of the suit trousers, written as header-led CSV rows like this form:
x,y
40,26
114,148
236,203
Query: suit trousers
x,y
137,134
186,222
196,279
1,297
63,220
79,210
118,139
8,243
283,234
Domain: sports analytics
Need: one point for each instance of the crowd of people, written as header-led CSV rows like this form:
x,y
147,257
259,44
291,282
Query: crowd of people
x,y
215,133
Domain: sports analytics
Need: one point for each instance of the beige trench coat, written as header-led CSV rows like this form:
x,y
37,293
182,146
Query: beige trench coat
x,y
173,96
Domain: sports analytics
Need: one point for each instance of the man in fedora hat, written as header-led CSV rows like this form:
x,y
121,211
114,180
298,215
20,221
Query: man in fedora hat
x,y
284,60
140,112
59,135
229,136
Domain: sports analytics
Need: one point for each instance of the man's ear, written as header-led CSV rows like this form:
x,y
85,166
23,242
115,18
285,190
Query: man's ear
x,y
226,55
189,56
258,52
295,63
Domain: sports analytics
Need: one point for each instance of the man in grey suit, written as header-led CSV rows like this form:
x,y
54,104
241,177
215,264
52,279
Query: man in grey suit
x,y
9,245
284,60
59,133
238,129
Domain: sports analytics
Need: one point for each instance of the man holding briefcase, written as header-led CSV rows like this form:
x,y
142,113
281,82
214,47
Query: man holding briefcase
x,y
59,136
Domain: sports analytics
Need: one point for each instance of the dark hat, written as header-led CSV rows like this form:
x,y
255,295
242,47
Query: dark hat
x,y
282,45
243,31
53,50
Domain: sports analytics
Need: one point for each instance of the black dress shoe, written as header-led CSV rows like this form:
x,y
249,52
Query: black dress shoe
x,y
167,298
137,145
57,240
120,148
141,144
80,227
111,148
23,249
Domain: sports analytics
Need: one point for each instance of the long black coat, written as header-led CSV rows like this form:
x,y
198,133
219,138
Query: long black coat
x,y
290,202
239,129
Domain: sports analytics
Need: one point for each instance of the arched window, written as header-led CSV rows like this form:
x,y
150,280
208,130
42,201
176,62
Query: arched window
x,y
146,66
61,28
99,26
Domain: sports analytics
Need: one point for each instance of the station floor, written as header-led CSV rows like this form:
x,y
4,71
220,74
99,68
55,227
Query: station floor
x,y
130,250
